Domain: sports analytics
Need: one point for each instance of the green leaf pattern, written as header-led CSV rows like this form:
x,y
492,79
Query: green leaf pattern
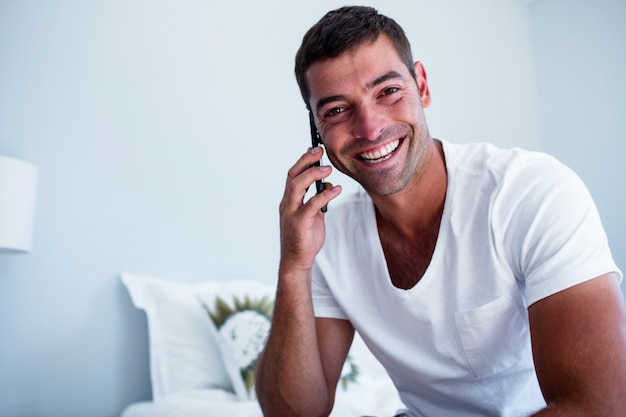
x,y
244,325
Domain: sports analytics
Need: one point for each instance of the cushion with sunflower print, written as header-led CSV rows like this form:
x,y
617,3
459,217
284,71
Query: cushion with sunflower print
x,y
241,314
186,358
183,354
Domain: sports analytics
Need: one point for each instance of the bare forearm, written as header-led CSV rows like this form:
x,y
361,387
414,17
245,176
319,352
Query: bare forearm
x,y
290,377
579,349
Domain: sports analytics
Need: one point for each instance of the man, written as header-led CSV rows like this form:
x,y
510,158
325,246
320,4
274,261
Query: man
x,y
480,278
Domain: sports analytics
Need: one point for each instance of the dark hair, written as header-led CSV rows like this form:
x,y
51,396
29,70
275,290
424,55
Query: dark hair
x,y
344,29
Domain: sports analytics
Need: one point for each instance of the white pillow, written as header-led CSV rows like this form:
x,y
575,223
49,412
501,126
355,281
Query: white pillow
x,y
183,354
240,315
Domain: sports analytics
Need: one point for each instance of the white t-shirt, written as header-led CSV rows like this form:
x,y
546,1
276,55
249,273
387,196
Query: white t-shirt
x,y
517,226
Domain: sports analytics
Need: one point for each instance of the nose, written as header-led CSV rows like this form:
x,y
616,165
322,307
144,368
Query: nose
x,y
368,122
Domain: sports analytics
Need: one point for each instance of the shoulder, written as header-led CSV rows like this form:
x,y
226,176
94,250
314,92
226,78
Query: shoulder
x,y
510,175
482,158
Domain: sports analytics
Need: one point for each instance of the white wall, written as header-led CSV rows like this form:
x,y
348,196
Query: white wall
x,y
580,58
163,132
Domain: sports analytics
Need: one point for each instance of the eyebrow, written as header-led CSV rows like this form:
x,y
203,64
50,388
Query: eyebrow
x,y
388,76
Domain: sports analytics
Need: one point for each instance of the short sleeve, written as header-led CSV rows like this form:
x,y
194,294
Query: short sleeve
x,y
324,304
549,227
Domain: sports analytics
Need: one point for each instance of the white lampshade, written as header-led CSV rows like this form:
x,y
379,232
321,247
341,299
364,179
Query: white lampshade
x,y
18,191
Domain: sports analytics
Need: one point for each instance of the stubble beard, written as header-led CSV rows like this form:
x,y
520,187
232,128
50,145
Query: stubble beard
x,y
385,182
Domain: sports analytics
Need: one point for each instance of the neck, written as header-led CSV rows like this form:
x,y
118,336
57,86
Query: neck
x,y
420,203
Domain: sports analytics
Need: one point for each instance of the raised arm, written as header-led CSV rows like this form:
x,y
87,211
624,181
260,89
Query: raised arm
x,y
579,348
301,365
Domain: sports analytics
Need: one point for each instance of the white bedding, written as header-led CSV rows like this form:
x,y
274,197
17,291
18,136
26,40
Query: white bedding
x,y
195,403
189,374
220,403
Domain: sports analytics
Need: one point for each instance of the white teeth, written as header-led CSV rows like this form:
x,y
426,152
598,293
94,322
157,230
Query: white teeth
x,y
383,152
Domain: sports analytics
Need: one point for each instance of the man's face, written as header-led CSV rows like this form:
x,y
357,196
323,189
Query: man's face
x,y
369,114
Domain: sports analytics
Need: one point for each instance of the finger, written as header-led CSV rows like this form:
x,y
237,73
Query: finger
x,y
322,199
296,187
309,158
304,163
328,185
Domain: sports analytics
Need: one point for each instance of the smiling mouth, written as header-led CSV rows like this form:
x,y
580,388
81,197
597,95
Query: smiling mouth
x,y
380,154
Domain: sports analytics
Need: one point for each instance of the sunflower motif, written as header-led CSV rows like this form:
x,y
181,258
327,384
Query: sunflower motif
x,y
243,327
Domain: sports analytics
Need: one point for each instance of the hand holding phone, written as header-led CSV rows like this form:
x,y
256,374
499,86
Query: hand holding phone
x,y
316,141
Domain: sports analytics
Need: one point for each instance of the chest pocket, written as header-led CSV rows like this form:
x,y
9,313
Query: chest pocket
x,y
494,336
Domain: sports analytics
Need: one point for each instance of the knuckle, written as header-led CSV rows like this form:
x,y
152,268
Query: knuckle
x,y
292,172
293,186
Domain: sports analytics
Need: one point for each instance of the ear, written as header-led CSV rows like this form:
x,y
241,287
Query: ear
x,y
422,83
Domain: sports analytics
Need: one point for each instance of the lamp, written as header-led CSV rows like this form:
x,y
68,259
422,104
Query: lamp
x,y
18,189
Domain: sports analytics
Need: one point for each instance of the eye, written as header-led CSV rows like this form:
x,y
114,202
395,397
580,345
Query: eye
x,y
334,112
389,90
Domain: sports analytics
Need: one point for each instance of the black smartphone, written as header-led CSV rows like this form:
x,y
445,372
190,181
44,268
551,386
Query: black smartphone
x,y
316,141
